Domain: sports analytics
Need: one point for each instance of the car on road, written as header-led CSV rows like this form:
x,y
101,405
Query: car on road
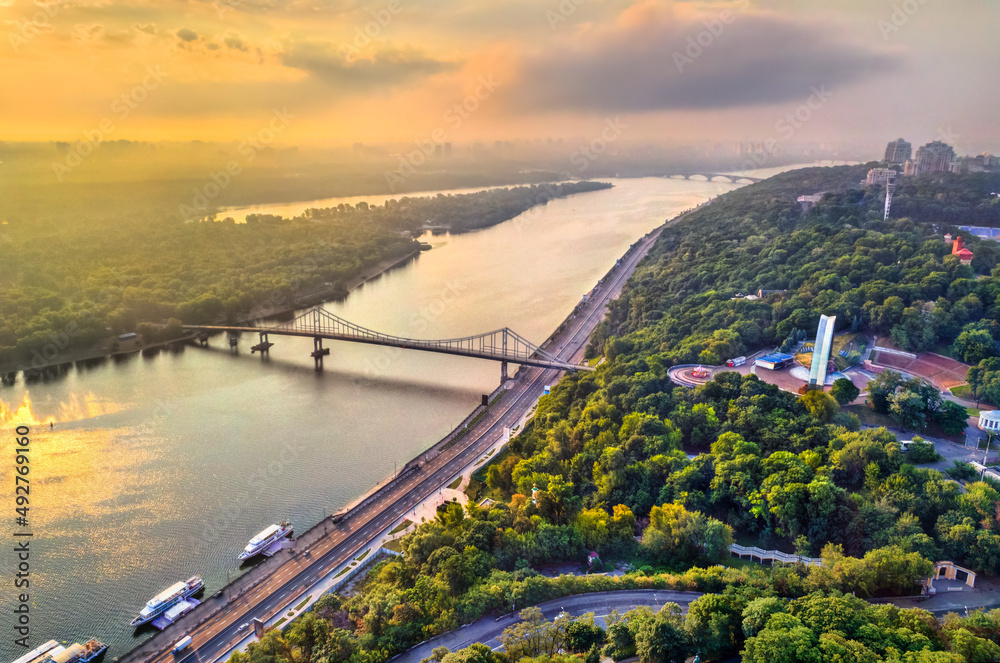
x,y
244,626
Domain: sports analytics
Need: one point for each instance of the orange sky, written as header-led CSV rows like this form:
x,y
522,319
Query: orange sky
x,y
217,70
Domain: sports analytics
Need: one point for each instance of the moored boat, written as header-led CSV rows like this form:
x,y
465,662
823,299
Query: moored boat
x,y
167,599
266,539
53,652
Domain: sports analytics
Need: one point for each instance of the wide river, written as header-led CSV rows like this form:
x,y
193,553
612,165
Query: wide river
x,y
159,468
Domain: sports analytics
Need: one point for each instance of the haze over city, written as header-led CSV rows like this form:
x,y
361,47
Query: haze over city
x,y
394,71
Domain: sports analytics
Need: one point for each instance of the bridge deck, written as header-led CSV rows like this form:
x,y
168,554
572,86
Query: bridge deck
x,y
405,344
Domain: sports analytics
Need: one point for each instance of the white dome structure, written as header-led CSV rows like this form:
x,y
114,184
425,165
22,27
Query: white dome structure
x,y
989,420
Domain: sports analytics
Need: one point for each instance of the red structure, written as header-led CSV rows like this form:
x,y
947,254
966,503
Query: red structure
x,y
958,249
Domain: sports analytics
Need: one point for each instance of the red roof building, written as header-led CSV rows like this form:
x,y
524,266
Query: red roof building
x,y
958,249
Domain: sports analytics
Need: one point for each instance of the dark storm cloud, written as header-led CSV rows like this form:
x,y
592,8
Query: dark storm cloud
x,y
187,35
336,66
651,65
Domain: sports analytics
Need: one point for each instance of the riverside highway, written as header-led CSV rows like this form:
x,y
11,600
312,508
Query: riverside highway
x,y
291,582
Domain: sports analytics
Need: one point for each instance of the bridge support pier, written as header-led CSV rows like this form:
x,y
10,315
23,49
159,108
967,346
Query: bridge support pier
x,y
264,346
319,352
503,372
233,341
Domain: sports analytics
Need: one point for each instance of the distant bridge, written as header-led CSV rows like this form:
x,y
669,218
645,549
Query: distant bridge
x,y
711,176
503,345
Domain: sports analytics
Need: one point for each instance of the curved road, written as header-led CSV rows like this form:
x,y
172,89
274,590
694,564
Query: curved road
x,y
488,630
292,581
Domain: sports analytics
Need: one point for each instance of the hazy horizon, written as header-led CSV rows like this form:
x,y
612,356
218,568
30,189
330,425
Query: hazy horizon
x,y
324,74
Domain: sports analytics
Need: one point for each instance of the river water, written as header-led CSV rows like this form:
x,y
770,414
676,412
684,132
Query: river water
x,y
158,468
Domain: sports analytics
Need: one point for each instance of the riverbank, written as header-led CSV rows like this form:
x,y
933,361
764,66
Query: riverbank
x,y
58,352
104,349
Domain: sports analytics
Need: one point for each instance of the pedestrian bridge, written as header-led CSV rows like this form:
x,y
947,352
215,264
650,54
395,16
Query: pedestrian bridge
x,y
503,345
772,556
711,176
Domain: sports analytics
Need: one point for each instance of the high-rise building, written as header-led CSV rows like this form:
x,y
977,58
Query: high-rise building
x,y
934,157
898,151
879,176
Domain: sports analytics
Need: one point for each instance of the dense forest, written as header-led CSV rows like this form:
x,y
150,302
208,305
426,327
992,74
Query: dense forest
x,y
70,285
662,478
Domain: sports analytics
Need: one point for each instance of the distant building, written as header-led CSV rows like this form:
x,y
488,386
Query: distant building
x,y
910,168
958,249
898,152
935,157
981,163
982,232
879,176
808,202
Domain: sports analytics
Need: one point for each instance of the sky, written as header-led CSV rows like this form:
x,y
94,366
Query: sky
x,y
338,72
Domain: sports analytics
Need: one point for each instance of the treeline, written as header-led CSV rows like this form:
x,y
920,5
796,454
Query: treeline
x,y
817,628
404,602
895,278
70,285
458,212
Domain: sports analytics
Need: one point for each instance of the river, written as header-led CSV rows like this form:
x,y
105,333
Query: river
x,y
158,468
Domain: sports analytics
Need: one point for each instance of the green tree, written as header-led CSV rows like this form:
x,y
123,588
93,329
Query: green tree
x,y
844,391
582,634
785,640
882,388
676,534
984,379
714,625
663,639
952,417
821,406
757,613
908,409
975,345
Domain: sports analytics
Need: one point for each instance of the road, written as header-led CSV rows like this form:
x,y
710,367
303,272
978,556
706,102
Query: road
x,y
291,582
487,630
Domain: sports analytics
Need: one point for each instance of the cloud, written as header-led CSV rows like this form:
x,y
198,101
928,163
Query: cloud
x,y
646,62
185,34
86,33
387,67
234,41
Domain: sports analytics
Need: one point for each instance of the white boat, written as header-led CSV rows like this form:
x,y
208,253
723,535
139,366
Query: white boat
x,y
53,652
265,539
167,599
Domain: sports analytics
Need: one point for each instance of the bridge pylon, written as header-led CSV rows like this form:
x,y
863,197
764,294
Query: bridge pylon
x,y
319,352
503,372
